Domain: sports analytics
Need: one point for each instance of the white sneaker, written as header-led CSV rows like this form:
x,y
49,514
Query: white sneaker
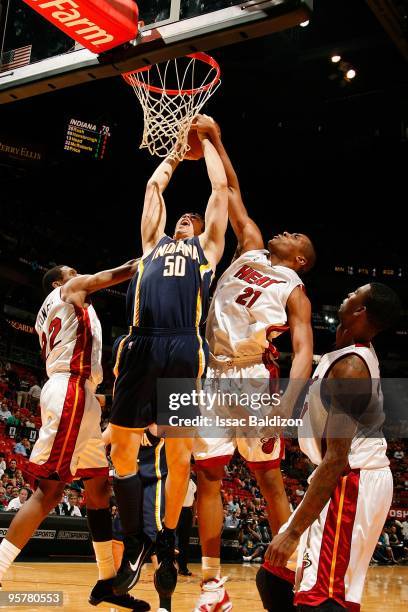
x,y
214,597
246,558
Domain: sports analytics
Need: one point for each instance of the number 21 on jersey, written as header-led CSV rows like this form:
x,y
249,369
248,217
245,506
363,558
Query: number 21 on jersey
x,y
248,297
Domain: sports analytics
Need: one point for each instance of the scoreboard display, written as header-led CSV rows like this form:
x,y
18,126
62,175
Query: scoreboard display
x,y
87,139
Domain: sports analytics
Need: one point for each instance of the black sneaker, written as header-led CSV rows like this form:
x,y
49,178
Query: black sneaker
x,y
130,568
102,593
165,577
185,572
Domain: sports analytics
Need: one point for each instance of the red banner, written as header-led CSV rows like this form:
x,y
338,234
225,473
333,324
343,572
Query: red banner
x,y
400,514
98,25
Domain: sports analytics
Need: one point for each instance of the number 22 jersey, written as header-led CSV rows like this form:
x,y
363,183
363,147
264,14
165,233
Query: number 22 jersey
x,y
70,338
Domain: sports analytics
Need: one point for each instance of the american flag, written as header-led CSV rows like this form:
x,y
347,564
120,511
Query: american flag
x,y
15,58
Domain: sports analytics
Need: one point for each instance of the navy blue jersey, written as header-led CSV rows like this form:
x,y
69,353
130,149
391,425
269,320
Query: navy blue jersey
x,y
170,289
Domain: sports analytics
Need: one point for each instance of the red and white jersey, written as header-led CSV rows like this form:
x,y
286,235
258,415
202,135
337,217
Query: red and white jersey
x,y
368,448
70,338
249,305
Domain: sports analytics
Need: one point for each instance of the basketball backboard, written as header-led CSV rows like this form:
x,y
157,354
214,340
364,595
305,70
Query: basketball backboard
x,y
171,28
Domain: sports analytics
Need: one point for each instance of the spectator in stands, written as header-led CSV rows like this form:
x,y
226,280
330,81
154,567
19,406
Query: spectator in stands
x,y
10,471
19,478
34,394
27,446
4,411
404,531
3,498
20,449
9,492
16,503
383,547
3,464
73,507
14,420
251,548
397,546
233,505
61,509
232,521
29,424
81,504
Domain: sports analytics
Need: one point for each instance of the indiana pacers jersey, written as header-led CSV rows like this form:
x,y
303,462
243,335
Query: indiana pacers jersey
x,y
171,286
167,305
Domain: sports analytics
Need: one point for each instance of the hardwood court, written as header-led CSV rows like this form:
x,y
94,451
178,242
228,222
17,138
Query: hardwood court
x,y
386,587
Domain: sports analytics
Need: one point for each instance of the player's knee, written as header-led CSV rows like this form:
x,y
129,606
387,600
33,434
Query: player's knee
x,y
275,592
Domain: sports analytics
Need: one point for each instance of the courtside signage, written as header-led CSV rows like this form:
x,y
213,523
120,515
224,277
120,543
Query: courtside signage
x,y
98,25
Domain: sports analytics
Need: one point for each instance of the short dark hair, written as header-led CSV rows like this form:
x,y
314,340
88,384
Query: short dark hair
x,y
310,253
51,276
383,306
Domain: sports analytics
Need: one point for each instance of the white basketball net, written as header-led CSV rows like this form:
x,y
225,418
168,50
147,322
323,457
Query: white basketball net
x,y
171,94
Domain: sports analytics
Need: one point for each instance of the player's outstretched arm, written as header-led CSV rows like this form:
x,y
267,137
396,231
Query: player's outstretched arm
x,y
216,215
349,370
246,230
154,208
76,289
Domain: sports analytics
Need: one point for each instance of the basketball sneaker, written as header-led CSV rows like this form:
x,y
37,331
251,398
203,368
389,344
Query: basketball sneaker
x,y
102,594
131,566
165,577
214,597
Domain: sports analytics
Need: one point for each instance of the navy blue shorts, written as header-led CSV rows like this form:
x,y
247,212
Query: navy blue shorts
x,y
148,355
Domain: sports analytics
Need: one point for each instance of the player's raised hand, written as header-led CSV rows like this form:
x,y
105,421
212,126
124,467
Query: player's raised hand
x,y
205,123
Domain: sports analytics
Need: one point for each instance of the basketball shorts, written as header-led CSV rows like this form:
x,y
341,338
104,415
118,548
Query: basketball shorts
x,y
259,453
146,356
335,551
70,441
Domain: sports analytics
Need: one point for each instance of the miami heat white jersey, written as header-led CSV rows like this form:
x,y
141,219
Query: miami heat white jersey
x,y
249,305
368,448
70,338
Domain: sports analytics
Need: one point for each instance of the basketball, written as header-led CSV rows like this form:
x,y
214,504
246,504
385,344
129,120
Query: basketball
x,y
196,150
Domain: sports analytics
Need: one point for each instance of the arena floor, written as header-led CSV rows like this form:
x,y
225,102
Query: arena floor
x,y
385,586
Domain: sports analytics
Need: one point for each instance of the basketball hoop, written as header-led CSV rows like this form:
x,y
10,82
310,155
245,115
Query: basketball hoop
x,y
171,94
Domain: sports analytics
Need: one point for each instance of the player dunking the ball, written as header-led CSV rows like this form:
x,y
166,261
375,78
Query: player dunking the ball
x,y
70,441
166,305
258,297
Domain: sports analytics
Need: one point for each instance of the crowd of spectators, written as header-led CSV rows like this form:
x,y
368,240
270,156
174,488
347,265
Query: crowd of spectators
x,y
245,509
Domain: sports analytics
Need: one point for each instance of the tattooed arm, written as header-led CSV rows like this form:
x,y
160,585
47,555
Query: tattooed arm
x,y
335,460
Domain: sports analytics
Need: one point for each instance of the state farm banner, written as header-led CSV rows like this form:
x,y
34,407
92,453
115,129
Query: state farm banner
x,y
98,25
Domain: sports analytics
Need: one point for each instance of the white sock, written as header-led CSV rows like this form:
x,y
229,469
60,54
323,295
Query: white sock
x,y
8,552
211,568
104,559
